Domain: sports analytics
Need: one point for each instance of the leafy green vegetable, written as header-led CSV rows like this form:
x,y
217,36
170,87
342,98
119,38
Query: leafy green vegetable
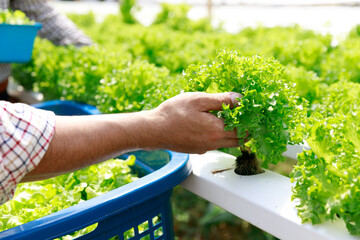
x,y
126,8
340,98
37,199
68,72
125,89
289,45
342,64
140,69
268,111
328,176
107,78
175,41
16,17
162,91
84,20
308,84
175,16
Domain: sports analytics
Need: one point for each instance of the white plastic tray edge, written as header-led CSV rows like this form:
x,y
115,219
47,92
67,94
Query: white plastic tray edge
x,y
263,200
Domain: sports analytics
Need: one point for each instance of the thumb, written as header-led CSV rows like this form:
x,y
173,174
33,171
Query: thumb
x,y
216,100
234,96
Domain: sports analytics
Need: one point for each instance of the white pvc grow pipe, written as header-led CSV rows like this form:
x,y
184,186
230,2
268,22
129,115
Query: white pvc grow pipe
x,y
264,200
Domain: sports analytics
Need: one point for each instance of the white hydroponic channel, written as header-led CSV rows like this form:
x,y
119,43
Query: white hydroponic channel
x,y
264,200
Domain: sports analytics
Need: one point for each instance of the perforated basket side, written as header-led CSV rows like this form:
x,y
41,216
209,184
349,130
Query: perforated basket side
x,y
150,220
135,198
67,107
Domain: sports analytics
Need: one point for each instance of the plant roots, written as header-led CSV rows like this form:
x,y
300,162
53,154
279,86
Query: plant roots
x,y
247,164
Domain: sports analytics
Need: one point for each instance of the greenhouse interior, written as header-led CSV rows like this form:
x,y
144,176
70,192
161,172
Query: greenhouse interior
x,y
183,119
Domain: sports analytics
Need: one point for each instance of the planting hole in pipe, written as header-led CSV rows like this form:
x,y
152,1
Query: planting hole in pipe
x,y
247,164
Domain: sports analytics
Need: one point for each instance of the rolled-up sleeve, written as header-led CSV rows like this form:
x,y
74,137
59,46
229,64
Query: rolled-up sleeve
x,y
5,71
25,134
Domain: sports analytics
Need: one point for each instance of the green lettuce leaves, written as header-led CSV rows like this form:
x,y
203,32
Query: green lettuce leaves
x,y
268,113
16,17
327,177
34,200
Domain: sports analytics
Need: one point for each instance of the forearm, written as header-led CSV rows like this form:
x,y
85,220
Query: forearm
x,y
181,124
80,141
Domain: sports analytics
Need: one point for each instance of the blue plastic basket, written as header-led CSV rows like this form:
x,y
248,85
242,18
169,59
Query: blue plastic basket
x,y
16,42
144,202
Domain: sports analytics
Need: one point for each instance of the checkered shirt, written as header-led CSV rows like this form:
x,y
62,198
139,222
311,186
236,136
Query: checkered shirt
x,y
55,26
25,134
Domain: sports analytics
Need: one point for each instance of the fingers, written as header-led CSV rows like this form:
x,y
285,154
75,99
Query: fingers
x,y
189,125
215,101
217,126
230,134
228,143
224,143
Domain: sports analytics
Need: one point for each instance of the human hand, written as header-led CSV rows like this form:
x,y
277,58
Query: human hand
x,y
184,123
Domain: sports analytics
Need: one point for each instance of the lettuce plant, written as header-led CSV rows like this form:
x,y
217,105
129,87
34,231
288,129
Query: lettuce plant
x,y
342,64
126,9
267,116
327,177
307,84
175,16
16,17
37,199
126,89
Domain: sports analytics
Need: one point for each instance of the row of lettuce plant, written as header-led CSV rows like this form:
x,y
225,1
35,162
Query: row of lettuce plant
x,y
296,86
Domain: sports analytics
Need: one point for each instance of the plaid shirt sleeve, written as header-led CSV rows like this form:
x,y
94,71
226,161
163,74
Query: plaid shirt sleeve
x,y
25,134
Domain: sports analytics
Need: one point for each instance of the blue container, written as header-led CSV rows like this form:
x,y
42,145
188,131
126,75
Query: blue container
x,y
144,202
16,42
68,108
